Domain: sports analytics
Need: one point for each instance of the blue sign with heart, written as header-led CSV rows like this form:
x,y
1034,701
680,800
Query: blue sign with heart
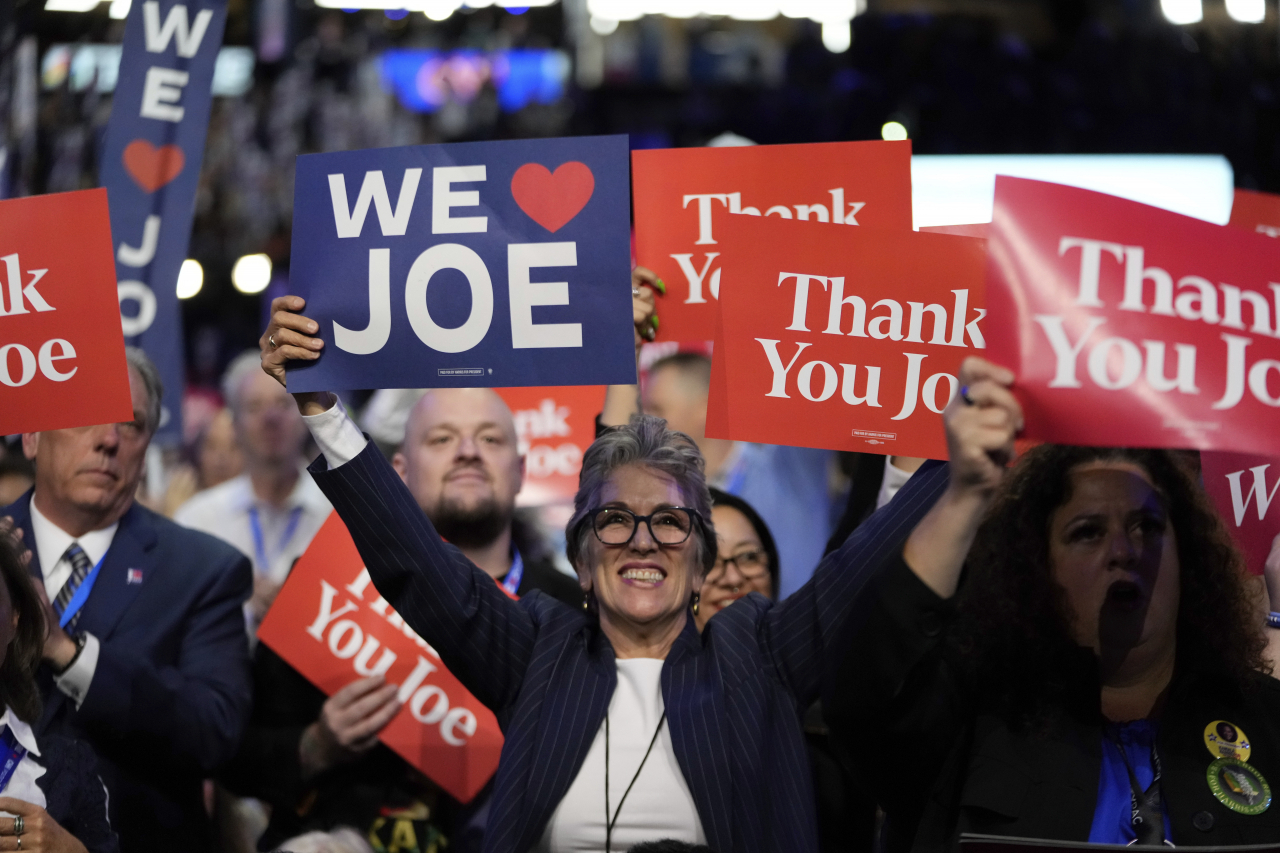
x,y
150,167
472,264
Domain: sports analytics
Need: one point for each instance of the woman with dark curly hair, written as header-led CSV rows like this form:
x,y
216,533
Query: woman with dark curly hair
x,y
51,799
1053,652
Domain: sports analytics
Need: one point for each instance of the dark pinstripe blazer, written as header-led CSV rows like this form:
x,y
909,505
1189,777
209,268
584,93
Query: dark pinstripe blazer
x,y
734,695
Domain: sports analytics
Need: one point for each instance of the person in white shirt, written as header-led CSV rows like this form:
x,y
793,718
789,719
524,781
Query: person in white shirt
x,y
51,798
271,511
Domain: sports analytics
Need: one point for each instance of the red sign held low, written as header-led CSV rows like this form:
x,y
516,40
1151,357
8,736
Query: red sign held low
x,y
840,339
61,346
1130,325
330,624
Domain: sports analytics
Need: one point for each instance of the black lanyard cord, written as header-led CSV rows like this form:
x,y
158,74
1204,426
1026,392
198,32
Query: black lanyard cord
x,y
609,824
1146,807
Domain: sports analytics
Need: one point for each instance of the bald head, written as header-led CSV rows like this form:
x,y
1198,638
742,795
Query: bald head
x,y
677,390
461,461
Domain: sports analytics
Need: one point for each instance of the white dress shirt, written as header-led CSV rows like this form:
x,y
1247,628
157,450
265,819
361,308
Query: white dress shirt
x,y
225,511
337,436
22,784
894,479
51,547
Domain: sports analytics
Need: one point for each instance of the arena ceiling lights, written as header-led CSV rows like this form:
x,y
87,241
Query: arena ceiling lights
x,y
436,10
834,15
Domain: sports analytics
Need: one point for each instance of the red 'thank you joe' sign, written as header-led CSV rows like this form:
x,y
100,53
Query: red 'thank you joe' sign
x,y
331,625
555,425
61,345
1127,324
683,195
1246,490
847,341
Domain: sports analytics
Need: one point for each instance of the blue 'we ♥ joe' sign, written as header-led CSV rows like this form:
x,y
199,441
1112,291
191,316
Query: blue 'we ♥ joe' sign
x,y
472,264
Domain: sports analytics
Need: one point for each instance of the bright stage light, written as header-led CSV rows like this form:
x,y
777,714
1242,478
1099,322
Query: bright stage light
x,y
251,274
837,35
894,131
603,26
190,279
954,189
1247,11
70,5
1183,11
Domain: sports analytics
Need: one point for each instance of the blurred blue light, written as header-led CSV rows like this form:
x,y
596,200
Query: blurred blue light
x,y
397,14
517,10
424,80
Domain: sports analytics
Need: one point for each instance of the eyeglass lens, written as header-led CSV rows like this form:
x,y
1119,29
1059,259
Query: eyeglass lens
x,y
750,564
616,526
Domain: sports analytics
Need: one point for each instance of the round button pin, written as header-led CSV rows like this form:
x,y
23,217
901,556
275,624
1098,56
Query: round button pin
x,y
1226,740
1239,786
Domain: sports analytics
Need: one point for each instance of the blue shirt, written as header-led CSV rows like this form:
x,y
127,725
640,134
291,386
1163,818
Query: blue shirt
x,y
1113,815
788,487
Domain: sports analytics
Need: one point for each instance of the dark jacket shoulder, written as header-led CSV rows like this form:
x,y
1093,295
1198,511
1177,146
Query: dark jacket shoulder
x,y
74,793
541,574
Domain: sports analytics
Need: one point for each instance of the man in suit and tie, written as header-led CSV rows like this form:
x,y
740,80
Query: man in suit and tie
x,y
146,657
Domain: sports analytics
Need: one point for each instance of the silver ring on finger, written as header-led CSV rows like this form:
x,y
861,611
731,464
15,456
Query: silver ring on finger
x,y
19,847
18,826
271,339
635,291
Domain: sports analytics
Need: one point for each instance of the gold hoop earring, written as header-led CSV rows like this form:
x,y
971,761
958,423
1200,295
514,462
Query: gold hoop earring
x,y
586,600
697,598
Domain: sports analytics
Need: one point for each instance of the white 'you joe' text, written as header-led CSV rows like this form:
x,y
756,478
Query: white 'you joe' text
x,y
1114,363
947,329
16,299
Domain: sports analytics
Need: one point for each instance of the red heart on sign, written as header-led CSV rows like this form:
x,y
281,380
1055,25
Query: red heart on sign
x,y
152,167
552,198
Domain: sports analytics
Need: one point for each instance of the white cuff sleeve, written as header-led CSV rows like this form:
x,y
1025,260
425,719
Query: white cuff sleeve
x,y
339,439
76,680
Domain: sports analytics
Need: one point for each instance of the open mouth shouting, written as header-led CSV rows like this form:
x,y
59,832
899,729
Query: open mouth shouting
x,y
1125,595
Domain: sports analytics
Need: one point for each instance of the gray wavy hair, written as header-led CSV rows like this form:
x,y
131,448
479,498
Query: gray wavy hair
x,y
150,376
646,442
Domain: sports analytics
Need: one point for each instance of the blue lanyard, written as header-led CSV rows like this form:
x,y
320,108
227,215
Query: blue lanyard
x,y
511,582
259,543
80,596
13,754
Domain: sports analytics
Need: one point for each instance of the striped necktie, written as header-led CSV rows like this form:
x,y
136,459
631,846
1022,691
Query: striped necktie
x,y
79,571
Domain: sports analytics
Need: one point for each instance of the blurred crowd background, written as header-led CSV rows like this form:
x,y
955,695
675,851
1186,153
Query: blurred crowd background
x,y
956,76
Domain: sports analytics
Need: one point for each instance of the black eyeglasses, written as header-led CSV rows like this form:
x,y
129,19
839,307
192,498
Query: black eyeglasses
x,y
750,564
668,526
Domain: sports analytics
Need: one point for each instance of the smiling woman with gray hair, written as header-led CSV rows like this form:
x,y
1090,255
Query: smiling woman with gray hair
x,y
623,724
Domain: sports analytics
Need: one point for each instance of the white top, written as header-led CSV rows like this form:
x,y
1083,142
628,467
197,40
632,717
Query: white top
x,y
660,804
894,479
22,785
224,511
51,547
337,436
